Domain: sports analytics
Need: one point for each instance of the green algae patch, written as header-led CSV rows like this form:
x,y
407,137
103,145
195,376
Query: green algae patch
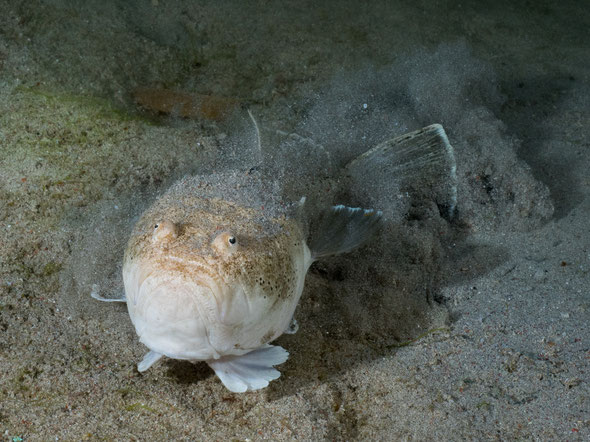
x,y
60,136
138,406
59,150
51,268
483,405
97,106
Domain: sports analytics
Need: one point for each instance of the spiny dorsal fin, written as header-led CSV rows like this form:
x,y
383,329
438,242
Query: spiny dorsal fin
x,y
423,159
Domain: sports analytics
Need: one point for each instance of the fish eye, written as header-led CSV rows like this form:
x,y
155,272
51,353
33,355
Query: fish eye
x,y
165,230
225,243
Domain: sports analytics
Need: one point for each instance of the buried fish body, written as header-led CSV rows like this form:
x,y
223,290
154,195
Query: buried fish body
x,y
214,270
209,280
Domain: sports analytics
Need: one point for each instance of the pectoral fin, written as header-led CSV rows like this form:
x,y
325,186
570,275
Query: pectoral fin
x,y
96,295
340,229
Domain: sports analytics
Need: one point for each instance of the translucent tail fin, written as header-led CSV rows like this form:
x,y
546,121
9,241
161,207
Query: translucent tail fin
x,y
341,229
422,161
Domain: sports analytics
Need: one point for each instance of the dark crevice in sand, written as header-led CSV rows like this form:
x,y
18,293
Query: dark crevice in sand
x,y
529,112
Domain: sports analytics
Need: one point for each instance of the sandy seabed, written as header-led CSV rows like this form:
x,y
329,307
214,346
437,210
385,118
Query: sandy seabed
x,y
470,328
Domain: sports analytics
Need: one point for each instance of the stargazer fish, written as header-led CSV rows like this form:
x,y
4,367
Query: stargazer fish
x,y
214,270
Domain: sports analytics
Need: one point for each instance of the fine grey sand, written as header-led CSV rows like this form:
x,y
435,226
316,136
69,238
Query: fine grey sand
x,y
474,327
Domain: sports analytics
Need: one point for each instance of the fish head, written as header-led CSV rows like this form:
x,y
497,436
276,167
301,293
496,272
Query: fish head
x,y
205,278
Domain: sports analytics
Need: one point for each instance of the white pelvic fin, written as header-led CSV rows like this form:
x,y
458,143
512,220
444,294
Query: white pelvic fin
x,y
148,360
423,159
96,295
341,229
251,371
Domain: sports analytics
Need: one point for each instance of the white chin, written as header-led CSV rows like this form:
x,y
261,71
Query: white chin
x,y
172,316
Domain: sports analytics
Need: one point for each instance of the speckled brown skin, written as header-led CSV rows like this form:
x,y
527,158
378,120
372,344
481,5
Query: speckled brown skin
x,y
206,277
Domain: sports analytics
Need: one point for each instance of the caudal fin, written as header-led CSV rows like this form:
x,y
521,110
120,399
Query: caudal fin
x,y
340,229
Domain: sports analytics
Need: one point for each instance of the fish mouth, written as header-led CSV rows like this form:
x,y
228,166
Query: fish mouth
x,y
200,274
175,315
185,309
